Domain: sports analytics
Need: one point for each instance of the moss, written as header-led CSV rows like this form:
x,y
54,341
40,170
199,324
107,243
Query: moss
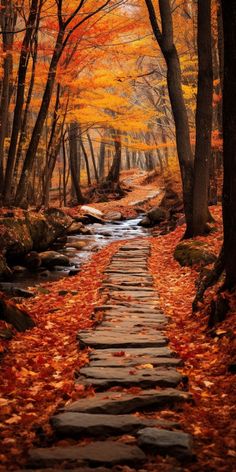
x,y
190,253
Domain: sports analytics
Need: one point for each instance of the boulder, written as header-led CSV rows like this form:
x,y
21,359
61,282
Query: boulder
x,y
93,214
145,222
15,237
114,216
190,253
46,227
157,214
53,258
32,260
92,211
77,244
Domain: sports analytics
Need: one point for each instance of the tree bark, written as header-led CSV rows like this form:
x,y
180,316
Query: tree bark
x,y
165,41
204,114
101,162
21,77
229,139
114,172
73,131
8,21
93,157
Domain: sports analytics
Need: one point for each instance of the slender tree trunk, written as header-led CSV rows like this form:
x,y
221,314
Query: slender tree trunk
x,y
73,131
93,158
114,172
21,77
7,21
51,152
229,137
28,100
128,164
64,169
85,160
101,162
165,41
37,131
203,119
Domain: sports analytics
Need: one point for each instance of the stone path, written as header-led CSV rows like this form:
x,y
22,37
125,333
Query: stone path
x,y
129,349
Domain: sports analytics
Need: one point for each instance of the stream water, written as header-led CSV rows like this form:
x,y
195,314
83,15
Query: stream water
x,y
102,234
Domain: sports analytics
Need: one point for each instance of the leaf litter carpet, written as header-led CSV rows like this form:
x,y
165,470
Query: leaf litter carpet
x,y
38,367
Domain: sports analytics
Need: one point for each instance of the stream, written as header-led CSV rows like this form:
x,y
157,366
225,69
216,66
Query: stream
x,y
102,234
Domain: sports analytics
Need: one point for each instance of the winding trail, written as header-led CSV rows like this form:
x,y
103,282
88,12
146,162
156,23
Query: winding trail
x,y
133,372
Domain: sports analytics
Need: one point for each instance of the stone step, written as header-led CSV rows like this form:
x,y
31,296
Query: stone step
x,y
124,283
71,424
107,377
137,293
131,352
123,323
106,340
108,453
120,403
124,307
130,287
151,362
164,442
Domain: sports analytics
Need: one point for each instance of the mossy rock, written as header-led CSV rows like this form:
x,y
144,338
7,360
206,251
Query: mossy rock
x,y
190,253
15,237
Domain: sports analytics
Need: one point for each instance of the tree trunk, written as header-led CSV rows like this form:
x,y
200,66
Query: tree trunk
x,y
86,160
37,131
21,77
101,162
165,41
28,101
73,131
229,137
93,158
114,172
7,21
203,119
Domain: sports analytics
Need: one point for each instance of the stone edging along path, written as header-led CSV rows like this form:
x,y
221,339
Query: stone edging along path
x,y
128,349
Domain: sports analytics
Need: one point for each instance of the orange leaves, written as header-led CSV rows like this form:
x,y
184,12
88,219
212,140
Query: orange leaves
x,y
37,371
205,357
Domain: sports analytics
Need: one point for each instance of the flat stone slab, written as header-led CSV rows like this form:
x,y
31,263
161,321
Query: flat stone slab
x,y
149,294
106,340
75,425
131,352
127,282
106,453
120,403
139,318
150,362
164,442
119,324
107,377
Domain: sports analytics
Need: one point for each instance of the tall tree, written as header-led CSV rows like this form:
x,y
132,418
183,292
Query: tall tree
x,y
203,119
165,39
21,76
7,22
229,139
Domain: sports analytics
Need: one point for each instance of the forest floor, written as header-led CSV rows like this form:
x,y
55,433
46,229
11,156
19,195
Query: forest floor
x,y
37,367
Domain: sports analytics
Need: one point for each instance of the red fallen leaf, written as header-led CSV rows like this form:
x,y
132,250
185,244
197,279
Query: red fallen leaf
x,y
132,372
119,354
134,390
